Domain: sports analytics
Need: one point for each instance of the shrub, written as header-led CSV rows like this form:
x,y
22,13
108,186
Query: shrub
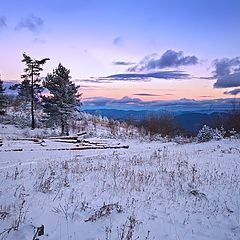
x,y
163,124
206,134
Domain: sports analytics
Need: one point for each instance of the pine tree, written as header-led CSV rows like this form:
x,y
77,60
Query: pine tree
x,y
30,88
3,99
64,98
205,134
24,91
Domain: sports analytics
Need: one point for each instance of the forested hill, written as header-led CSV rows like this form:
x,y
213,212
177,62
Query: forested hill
x,y
189,121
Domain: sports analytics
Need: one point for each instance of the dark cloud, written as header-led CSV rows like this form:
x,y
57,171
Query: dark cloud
x,y
231,80
144,77
94,80
31,23
170,59
118,41
205,96
204,78
227,72
146,94
152,95
123,63
3,22
147,76
234,92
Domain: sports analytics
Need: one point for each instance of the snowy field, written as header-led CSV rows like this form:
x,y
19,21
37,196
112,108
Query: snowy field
x,y
151,190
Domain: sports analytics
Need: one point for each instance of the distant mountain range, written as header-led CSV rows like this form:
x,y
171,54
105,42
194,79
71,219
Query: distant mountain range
x,y
189,121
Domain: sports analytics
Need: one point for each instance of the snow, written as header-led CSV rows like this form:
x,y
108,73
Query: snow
x,y
152,190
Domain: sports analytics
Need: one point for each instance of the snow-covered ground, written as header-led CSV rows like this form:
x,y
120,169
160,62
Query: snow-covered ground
x,y
152,190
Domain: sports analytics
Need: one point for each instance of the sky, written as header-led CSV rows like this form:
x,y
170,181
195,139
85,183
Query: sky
x,y
150,50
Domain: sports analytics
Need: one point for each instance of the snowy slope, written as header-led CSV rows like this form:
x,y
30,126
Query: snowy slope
x,y
151,190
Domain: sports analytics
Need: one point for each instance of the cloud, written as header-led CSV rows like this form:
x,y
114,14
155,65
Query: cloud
x,y
31,23
98,101
231,80
148,76
205,78
127,103
3,22
152,95
205,96
146,94
227,72
170,59
123,63
106,103
118,41
143,77
128,100
94,80
234,92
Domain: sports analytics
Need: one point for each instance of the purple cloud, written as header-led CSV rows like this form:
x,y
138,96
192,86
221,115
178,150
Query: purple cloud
x,y
234,92
227,72
170,59
31,23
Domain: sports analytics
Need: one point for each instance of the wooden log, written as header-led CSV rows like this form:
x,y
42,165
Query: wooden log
x,y
12,150
65,137
87,148
81,134
86,141
68,149
65,140
36,140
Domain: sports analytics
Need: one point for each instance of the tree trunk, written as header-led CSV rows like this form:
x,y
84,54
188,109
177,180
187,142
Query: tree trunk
x,y
67,128
62,126
32,101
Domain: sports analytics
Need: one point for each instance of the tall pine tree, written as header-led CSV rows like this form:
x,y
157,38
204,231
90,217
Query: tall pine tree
x,y
64,98
30,87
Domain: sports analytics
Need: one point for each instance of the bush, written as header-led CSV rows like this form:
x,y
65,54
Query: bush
x,y
206,134
163,124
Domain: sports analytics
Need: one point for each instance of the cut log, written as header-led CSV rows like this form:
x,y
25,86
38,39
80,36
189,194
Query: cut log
x,y
81,134
68,149
87,148
12,150
95,143
65,140
65,137
36,140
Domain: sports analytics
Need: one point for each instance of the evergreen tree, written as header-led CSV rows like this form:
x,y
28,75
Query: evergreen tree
x,y
30,88
24,91
3,99
64,98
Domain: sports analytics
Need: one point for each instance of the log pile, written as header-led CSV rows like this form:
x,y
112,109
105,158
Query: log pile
x,y
76,143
